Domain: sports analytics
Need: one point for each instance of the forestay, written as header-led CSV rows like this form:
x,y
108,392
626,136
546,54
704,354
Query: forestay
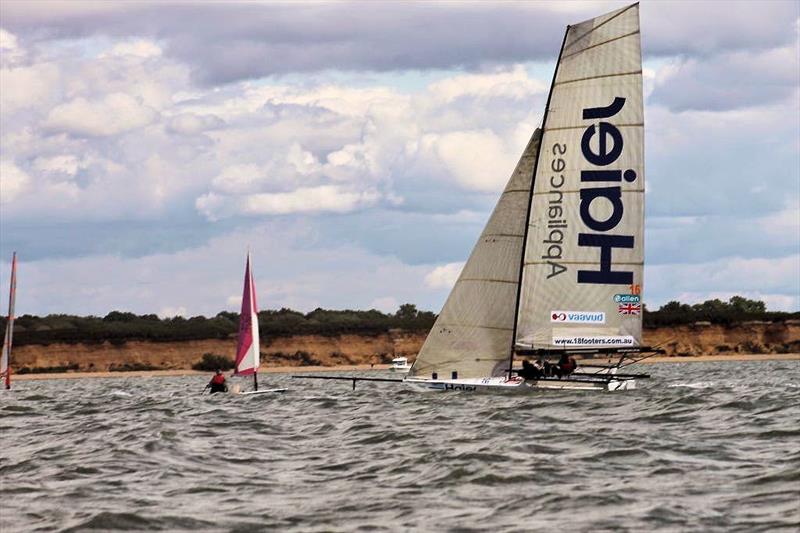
x,y
473,334
247,349
582,275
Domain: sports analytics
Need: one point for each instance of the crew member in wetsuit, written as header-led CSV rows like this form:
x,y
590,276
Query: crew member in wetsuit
x,y
566,365
531,371
217,383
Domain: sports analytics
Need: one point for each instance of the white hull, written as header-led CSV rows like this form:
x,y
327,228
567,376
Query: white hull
x,y
516,384
261,391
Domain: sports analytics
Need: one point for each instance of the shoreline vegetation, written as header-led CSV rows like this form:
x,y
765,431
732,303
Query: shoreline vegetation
x,y
362,368
119,327
122,343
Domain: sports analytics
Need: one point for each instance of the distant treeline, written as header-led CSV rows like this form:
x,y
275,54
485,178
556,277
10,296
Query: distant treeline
x,y
118,327
734,311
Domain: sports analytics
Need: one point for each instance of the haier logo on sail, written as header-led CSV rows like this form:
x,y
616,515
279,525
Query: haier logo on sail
x,y
577,317
608,145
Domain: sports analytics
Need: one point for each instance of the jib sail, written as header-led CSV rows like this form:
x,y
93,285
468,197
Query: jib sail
x,y
473,334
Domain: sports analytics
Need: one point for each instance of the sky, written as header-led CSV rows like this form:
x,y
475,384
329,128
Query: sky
x,y
358,148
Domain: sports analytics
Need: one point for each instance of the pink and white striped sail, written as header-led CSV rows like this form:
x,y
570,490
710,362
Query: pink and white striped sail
x,y
5,370
247,350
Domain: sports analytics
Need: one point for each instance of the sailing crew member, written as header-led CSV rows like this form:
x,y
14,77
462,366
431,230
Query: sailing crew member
x,y
567,364
531,371
217,383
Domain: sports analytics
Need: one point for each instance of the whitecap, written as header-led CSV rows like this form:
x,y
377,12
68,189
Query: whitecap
x,y
695,385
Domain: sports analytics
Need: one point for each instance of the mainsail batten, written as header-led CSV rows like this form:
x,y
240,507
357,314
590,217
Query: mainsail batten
x,y
474,331
583,260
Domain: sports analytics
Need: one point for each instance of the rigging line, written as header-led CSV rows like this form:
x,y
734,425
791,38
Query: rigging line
x,y
582,50
530,204
609,19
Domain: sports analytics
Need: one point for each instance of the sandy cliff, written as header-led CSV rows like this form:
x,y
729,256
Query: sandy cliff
x,y
360,349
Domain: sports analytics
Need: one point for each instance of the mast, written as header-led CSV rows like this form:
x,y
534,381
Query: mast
x,y
530,205
5,358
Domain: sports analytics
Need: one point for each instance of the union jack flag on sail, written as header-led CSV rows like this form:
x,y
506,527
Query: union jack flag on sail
x,y
630,309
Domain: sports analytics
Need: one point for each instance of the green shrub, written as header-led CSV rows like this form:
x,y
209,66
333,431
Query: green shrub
x,y
49,369
212,361
131,367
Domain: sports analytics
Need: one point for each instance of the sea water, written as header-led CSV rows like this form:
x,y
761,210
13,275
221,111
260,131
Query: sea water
x,y
700,446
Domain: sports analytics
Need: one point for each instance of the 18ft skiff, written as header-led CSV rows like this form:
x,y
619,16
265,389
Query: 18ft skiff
x,y
559,266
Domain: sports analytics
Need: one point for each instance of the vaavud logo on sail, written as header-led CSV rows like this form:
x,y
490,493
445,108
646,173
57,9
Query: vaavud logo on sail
x,y
608,149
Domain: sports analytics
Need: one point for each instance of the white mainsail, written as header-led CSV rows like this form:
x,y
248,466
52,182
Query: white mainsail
x,y
5,369
582,276
473,334
247,349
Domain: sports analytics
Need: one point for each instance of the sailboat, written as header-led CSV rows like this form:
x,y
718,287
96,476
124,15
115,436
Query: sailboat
x,y
558,267
5,366
247,348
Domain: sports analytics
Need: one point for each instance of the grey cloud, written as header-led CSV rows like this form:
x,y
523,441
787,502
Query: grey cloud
x,y
225,43
731,81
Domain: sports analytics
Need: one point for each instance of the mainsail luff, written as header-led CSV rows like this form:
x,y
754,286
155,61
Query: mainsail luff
x,y
583,264
8,339
474,331
528,213
247,349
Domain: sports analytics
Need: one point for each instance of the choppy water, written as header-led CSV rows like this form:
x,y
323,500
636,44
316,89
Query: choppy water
x,y
702,446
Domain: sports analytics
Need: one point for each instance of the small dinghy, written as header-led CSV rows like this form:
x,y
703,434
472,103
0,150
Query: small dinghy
x,y
247,348
400,365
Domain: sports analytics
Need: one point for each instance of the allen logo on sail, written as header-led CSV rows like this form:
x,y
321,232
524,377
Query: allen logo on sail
x,y
608,149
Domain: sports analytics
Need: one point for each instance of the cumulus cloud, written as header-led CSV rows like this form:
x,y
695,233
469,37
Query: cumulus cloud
x,y
172,311
729,81
322,199
477,160
11,53
111,115
60,164
511,83
137,48
386,304
444,276
204,279
730,275
298,37
192,124
13,181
